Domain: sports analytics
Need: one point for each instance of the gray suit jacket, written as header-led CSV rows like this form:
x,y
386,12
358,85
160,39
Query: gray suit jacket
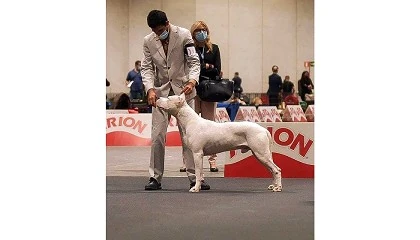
x,y
161,72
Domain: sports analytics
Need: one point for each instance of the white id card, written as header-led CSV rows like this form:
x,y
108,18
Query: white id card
x,y
191,51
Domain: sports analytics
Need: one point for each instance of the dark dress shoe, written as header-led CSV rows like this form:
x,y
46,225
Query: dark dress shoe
x,y
214,169
153,185
204,185
183,169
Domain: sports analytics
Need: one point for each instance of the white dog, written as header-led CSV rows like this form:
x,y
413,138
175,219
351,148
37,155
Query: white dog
x,y
206,137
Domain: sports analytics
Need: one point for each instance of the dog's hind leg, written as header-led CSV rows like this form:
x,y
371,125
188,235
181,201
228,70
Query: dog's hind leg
x,y
266,159
277,185
260,147
198,162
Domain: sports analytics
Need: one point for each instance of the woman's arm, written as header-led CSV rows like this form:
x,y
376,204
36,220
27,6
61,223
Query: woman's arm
x,y
218,62
311,83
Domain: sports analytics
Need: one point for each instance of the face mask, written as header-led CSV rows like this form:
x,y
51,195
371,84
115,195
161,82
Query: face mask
x,y
164,35
201,36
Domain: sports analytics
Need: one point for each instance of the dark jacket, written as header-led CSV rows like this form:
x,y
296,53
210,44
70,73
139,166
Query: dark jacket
x,y
212,58
274,84
287,86
303,87
237,88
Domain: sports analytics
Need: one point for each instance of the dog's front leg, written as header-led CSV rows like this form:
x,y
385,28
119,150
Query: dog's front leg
x,y
198,162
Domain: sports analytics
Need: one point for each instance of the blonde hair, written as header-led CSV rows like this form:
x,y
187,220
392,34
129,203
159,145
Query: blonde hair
x,y
254,101
201,24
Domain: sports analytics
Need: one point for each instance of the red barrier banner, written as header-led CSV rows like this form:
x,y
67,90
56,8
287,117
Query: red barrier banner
x,y
292,150
221,115
247,113
294,113
310,113
269,114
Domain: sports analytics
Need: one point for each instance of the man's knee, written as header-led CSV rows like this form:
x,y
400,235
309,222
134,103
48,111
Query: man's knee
x,y
158,135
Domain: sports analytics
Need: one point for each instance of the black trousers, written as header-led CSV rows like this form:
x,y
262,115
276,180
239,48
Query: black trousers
x,y
273,99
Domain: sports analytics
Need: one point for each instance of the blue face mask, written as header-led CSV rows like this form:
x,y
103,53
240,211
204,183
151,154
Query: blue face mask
x,y
201,36
164,35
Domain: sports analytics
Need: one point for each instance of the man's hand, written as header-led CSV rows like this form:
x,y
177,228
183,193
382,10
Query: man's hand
x,y
189,87
151,97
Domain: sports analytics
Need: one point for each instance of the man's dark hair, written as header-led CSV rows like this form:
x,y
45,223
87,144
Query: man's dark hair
x,y
156,18
236,73
137,62
123,101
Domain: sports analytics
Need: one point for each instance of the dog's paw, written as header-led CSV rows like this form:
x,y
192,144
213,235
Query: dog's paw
x,y
193,189
277,189
271,187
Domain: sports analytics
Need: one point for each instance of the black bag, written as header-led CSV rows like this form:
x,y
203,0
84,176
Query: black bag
x,y
215,90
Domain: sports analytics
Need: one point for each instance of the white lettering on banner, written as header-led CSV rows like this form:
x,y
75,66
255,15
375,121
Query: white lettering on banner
x,y
290,139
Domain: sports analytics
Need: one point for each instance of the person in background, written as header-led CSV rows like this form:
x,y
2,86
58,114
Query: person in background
x,y
236,99
170,67
134,78
305,85
106,95
290,97
245,99
237,88
274,87
211,66
257,101
283,95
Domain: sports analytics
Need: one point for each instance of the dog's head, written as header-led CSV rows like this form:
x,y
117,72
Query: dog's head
x,y
172,104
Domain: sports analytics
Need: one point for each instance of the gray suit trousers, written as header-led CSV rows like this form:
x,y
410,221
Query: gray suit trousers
x,y
160,121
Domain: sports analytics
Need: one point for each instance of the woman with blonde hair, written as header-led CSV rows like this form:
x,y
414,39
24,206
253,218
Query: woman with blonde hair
x,y
210,69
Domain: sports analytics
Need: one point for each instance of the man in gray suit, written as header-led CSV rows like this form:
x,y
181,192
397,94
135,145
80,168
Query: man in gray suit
x,y
170,66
